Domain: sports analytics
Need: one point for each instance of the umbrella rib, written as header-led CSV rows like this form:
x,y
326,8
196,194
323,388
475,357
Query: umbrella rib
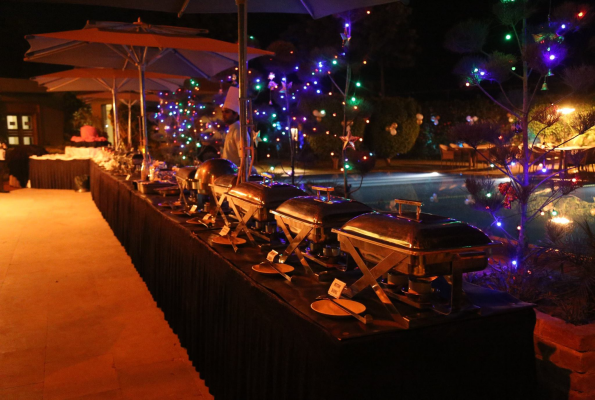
x,y
62,84
124,81
224,57
183,8
190,64
54,49
307,7
124,56
101,81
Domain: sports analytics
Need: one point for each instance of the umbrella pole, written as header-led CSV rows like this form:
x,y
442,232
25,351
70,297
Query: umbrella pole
x,y
243,74
130,124
115,114
143,111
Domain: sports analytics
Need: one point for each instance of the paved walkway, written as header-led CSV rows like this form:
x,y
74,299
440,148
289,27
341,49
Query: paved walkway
x,y
76,320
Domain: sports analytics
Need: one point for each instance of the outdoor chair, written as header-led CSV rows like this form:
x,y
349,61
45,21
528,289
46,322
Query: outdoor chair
x,y
446,155
588,163
575,158
458,154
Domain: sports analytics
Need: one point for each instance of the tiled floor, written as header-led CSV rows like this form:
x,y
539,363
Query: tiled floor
x,y
76,320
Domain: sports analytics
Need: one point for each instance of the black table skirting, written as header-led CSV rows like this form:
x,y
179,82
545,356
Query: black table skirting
x,y
56,174
255,337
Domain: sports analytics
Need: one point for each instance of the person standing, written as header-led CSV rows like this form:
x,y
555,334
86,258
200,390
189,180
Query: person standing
x,y
232,147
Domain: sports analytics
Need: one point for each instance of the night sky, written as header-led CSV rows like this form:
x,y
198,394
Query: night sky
x,y
431,76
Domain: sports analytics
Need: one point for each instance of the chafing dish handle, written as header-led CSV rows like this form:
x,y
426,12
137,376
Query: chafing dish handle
x,y
266,175
327,189
417,204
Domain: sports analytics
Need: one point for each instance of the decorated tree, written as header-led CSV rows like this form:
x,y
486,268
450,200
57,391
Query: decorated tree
x,y
541,50
185,122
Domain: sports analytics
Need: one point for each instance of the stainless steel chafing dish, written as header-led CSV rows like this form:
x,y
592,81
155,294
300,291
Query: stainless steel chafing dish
x,y
311,219
210,170
421,256
221,186
184,176
253,201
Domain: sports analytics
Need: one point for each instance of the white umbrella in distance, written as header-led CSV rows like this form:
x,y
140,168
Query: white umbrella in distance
x,y
113,80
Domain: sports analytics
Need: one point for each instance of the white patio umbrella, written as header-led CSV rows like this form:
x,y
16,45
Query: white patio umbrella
x,y
113,80
137,46
127,98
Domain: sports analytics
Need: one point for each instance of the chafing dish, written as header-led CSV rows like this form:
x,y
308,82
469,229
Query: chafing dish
x,y
184,176
221,186
210,170
253,201
421,256
151,187
311,219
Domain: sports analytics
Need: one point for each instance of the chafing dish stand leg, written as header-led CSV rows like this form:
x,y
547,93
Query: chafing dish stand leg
x,y
369,279
219,207
293,246
243,220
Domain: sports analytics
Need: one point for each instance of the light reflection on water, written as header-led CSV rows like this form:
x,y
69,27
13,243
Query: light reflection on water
x,y
445,195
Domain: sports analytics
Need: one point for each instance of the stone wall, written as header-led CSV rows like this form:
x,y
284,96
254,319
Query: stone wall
x,y
565,359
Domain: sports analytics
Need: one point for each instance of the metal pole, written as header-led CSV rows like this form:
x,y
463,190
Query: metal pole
x,y
243,75
130,124
143,111
115,114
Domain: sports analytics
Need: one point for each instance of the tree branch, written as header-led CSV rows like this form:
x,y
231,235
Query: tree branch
x,y
497,102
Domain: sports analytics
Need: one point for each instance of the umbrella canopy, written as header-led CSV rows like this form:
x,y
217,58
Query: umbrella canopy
x,y
316,8
126,46
101,79
124,97
145,47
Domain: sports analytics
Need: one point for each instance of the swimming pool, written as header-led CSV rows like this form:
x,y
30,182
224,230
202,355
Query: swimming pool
x,y
445,194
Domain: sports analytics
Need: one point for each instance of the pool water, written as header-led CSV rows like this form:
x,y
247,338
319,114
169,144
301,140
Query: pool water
x,y
445,194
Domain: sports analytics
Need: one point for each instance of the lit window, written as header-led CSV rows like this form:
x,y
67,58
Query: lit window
x,y
12,122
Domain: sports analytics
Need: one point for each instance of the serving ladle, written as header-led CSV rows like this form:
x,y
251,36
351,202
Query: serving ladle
x,y
366,319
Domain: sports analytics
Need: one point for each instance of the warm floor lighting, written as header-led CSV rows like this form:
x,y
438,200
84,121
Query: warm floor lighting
x,y
561,220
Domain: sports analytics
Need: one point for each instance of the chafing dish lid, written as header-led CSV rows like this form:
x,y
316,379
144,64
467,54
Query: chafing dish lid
x,y
430,233
230,180
186,173
312,210
215,168
270,195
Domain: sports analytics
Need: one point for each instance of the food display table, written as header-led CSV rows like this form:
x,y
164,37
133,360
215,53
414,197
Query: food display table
x,y
56,174
254,336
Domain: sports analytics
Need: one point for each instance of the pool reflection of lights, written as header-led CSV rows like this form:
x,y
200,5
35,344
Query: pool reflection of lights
x,y
561,220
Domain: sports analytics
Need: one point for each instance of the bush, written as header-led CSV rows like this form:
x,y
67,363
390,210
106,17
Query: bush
x,y
323,145
386,112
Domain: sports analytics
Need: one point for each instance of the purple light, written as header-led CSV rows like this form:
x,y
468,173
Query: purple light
x,y
563,26
296,68
346,25
552,57
513,262
499,223
543,170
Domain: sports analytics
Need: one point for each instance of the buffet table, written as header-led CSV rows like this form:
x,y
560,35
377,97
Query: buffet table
x,y
56,174
254,336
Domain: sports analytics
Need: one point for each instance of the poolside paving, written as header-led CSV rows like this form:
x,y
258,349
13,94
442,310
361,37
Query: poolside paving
x,y
76,319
